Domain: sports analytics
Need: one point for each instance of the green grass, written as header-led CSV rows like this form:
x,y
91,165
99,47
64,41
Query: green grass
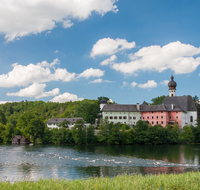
x,y
187,181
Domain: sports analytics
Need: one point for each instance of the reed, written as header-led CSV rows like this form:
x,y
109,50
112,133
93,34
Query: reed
x,y
189,180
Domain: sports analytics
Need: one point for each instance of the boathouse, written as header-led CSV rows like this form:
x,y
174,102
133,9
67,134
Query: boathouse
x,y
18,139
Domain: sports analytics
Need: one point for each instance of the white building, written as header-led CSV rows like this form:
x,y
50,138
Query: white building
x,y
54,122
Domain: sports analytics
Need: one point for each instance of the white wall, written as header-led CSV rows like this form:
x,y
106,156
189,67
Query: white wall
x,y
128,121
186,118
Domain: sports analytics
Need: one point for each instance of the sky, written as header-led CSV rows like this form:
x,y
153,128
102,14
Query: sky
x,y
70,50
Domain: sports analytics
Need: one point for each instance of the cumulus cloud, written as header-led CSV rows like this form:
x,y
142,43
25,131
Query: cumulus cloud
x,y
109,60
4,102
20,18
164,82
150,84
40,73
91,73
99,81
109,46
96,81
66,97
175,56
35,90
133,84
67,24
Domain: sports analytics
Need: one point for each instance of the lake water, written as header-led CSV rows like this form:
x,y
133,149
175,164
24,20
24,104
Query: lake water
x,y
18,162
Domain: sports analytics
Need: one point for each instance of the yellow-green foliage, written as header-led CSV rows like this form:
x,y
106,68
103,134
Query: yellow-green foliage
x,y
185,181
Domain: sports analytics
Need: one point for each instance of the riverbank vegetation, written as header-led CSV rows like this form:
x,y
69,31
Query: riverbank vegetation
x,y
182,181
29,119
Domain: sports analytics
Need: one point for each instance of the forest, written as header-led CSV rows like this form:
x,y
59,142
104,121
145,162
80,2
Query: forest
x,y
28,118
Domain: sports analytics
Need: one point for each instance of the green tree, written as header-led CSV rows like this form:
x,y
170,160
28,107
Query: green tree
x,y
158,100
8,133
35,128
2,131
2,118
79,132
91,138
105,131
187,135
115,136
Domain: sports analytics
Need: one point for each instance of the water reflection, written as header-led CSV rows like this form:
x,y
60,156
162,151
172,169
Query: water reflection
x,y
71,162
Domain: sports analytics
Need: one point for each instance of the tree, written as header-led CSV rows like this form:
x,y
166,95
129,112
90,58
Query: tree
x,y
2,131
91,138
35,128
79,132
2,118
8,133
187,135
115,136
158,100
104,132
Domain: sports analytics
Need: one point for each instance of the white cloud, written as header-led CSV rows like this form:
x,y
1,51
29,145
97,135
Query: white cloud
x,y
91,73
109,60
109,46
67,24
56,51
96,81
175,56
133,84
150,84
66,97
20,18
99,81
4,102
35,90
40,73
164,82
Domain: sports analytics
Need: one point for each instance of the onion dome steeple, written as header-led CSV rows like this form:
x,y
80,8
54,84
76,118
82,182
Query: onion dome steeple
x,y
103,102
172,87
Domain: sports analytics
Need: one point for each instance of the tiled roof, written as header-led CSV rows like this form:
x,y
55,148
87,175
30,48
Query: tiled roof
x,y
180,103
120,107
153,107
60,120
184,103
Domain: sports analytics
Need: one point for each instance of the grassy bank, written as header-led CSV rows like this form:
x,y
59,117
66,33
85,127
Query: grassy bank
x,y
185,181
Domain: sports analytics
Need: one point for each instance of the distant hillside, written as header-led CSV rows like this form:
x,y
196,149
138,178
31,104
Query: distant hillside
x,y
88,109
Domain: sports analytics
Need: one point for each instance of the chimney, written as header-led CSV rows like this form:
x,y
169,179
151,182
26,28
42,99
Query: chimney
x,y
172,106
138,106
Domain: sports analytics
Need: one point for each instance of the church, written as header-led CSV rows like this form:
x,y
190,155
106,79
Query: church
x,y
179,109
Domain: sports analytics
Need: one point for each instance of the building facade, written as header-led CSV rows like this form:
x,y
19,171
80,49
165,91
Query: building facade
x,y
179,109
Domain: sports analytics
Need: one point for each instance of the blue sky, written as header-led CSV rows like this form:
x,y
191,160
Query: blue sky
x,y
71,50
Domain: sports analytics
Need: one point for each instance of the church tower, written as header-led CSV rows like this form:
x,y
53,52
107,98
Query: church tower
x,y
172,87
102,104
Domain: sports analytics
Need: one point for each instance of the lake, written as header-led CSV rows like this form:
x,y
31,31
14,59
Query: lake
x,y
18,162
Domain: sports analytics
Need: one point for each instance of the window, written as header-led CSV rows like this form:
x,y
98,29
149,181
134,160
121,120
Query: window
x,y
110,112
106,112
157,117
124,112
140,117
176,112
161,122
152,122
124,117
120,117
161,111
115,117
124,122
191,118
130,117
170,117
152,117
134,117
161,117
152,112
157,122
147,117
143,117
176,117
111,117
